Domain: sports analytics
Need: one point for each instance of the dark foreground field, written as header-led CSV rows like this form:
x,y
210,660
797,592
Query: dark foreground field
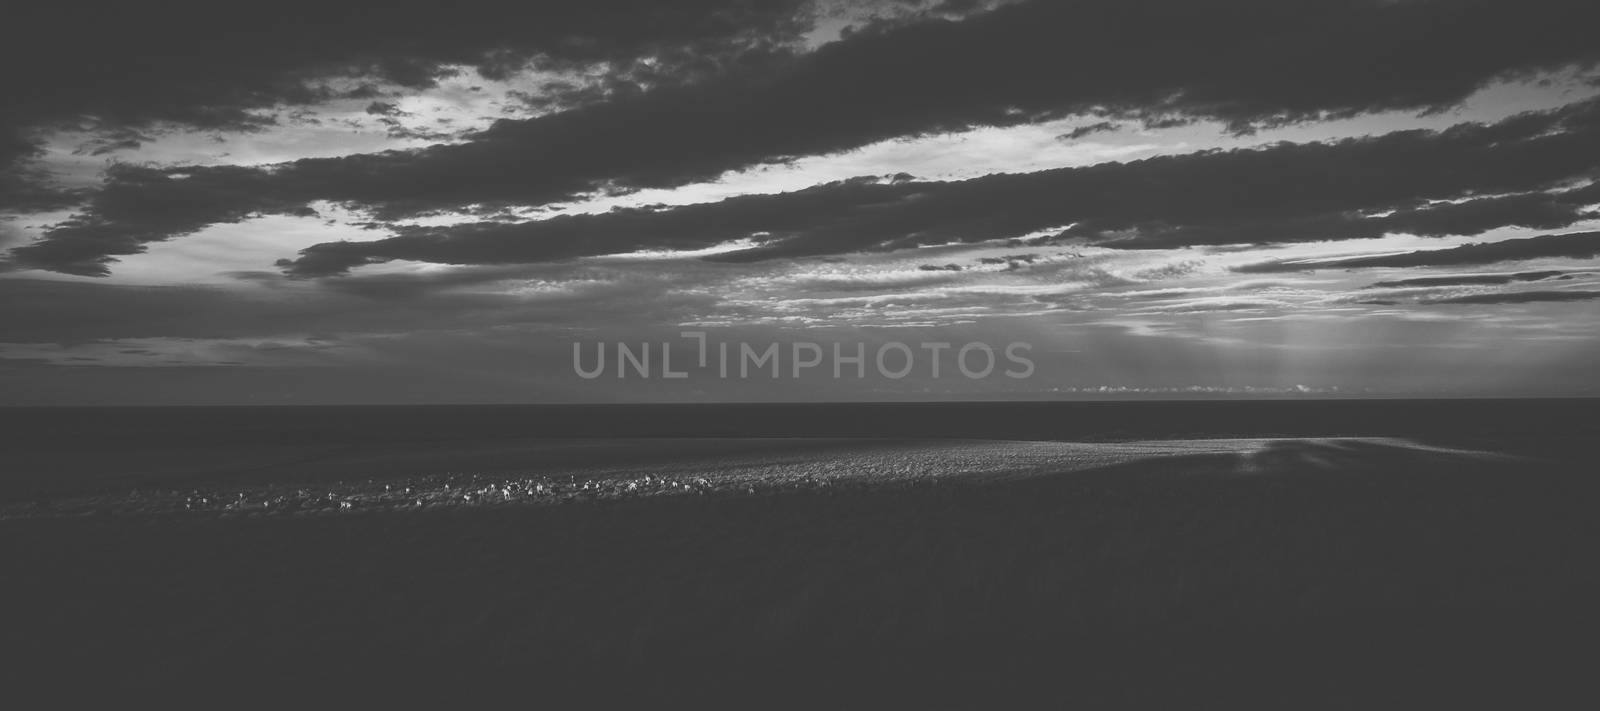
x,y
1303,574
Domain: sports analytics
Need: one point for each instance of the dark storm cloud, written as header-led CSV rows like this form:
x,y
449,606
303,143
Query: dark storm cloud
x,y
1521,297
1009,258
207,65
24,187
1282,193
1089,130
1246,62
37,311
119,67
1471,216
76,312
1576,245
1467,280
621,230
148,205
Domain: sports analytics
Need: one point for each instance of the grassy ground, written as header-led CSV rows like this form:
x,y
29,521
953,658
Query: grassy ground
x,y
1313,574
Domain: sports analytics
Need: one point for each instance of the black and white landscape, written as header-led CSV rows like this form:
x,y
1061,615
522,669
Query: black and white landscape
x,y
816,353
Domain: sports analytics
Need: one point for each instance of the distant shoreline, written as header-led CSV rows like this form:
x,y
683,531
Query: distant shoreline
x,y
1028,420
1009,400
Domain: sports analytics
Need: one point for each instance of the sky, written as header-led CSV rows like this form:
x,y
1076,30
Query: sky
x,y
465,202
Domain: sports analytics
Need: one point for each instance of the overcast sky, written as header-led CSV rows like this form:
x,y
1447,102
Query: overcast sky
x,y
315,202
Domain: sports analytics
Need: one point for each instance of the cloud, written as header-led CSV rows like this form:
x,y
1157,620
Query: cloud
x,y
117,69
1089,130
24,186
1152,60
68,312
1365,187
1009,66
1521,297
123,68
615,232
1469,216
1575,245
1467,280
